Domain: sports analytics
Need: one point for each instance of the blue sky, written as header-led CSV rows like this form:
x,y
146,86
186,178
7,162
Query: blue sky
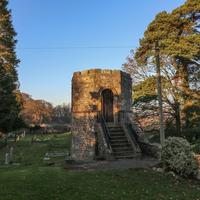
x,y
47,29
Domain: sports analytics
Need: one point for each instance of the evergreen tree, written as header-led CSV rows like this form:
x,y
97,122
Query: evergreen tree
x,y
179,38
9,101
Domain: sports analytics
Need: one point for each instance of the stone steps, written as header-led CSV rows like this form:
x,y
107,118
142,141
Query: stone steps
x,y
122,149
120,137
116,134
125,157
115,129
123,153
121,144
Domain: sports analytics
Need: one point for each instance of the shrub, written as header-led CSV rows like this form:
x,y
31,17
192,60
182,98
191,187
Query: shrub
x,y
191,134
192,114
196,146
177,156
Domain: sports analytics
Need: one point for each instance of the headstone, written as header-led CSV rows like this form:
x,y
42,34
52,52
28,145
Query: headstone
x,y
46,159
7,158
16,138
24,133
11,153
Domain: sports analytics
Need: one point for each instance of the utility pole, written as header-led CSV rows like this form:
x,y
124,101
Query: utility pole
x,y
159,91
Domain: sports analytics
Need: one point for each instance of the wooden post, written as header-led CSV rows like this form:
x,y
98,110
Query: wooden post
x,y
159,91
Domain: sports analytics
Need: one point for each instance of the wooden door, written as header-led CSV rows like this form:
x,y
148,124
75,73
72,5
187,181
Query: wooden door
x,y
107,105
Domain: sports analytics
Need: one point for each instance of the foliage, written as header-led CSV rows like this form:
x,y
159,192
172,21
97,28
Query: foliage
x,y
146,105
137,71
196,146
178,157
35,111
62,114
9,102
3,142
192,114
170,128
177,32
191,134
145,90
179,39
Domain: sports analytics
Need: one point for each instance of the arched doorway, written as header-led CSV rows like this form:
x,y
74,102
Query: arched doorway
x,y
107,105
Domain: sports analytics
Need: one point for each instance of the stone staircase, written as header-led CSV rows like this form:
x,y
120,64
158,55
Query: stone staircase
x,y
121,147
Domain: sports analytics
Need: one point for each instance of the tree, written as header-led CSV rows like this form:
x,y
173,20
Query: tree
x,y
35,112
9,101
62,114
179,40
146,92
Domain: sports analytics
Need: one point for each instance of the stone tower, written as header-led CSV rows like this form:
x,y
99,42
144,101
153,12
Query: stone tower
x,y
95,93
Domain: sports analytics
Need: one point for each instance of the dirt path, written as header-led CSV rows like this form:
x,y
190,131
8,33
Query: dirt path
x,y
139,162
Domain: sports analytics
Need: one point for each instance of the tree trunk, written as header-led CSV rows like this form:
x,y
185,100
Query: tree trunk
x,y
178,119
184,82
185,92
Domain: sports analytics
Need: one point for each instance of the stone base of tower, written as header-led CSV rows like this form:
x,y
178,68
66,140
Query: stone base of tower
x,y
83,138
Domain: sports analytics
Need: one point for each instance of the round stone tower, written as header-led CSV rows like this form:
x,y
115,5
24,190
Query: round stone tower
x,y
96,93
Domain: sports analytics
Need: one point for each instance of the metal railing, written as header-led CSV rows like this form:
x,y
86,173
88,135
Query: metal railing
x,y
129,123
101,119
134,135
126,118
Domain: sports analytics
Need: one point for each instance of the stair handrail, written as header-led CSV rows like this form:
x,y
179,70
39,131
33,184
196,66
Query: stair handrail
x,y
131,129
128,122
107,136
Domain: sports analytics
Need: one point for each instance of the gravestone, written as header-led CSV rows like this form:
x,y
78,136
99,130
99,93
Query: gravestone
x,y
24,134
17,138
11,153
7,158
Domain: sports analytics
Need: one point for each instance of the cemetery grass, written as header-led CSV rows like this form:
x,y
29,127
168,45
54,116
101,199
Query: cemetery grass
x,y
27,153
33,180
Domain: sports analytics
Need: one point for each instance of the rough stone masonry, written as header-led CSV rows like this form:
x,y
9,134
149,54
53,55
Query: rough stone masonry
x,y
90,90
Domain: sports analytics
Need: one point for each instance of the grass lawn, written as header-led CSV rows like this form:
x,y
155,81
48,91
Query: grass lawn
x,y
32,180
27,153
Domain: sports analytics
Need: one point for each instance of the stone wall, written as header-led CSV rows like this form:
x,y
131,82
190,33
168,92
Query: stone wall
x,y
83,138
153,150
87,87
